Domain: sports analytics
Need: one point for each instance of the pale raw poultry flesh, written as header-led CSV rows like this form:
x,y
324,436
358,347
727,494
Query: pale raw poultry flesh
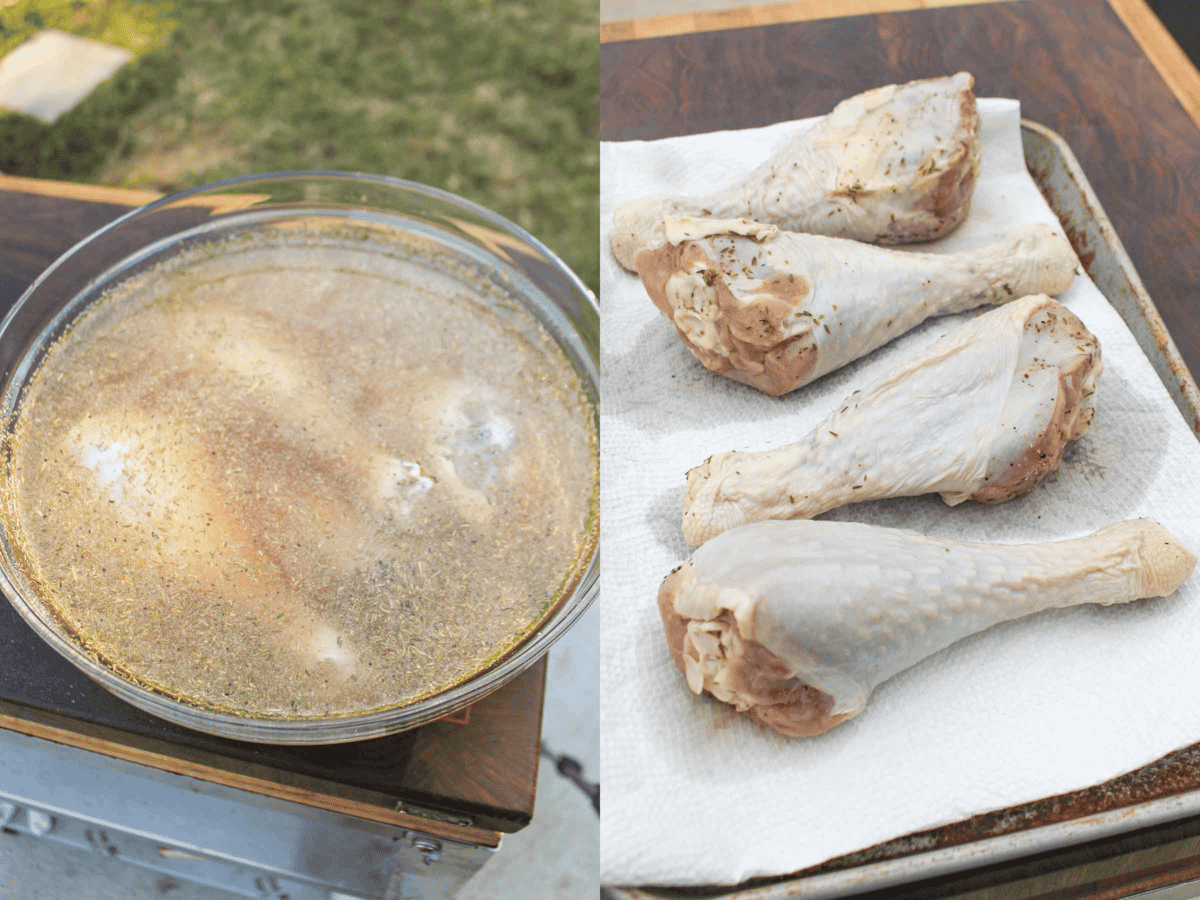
x,y
984,413
777,310
893,165
796,623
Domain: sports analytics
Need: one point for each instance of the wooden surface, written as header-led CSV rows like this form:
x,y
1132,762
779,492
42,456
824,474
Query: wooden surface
x,y
1163,52
766,14
483,772
1073,64
1155,40
266,779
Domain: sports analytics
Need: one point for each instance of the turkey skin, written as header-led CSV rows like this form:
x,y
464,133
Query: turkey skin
x,y
777,310
892,165
984,413
796,623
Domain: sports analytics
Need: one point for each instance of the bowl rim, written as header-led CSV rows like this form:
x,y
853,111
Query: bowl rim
x,y
510,662
339,174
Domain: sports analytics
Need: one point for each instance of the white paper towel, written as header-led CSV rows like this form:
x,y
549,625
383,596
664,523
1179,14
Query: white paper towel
x,y
697,794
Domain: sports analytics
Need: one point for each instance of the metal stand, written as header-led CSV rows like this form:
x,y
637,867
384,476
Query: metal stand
x,y
239,841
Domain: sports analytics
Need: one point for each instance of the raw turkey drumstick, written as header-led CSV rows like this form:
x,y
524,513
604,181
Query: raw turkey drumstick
x,y
983,413
777,310
892,165
795,623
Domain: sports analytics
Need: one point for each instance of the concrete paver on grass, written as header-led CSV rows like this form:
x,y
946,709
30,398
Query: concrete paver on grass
x,y
53,70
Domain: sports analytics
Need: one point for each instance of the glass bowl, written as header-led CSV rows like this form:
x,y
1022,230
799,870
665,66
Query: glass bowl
x,y
406,220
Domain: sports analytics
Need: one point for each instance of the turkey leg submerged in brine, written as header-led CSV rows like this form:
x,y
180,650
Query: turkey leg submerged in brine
x,y
322,500
154,478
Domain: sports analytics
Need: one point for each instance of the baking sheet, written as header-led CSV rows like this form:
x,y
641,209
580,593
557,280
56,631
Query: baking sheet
x,y
1065,523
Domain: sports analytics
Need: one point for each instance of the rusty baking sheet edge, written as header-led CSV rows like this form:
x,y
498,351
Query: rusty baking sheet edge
x,y
1062,181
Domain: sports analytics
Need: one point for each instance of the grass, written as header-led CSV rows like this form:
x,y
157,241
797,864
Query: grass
x,y
80,141
135,25
496,100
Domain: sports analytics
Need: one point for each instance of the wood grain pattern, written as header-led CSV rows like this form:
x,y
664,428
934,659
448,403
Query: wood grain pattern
x,y
767,14
92,193
494,759
1156,41
484,764
263,780
36,229
1072,63
1164,51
